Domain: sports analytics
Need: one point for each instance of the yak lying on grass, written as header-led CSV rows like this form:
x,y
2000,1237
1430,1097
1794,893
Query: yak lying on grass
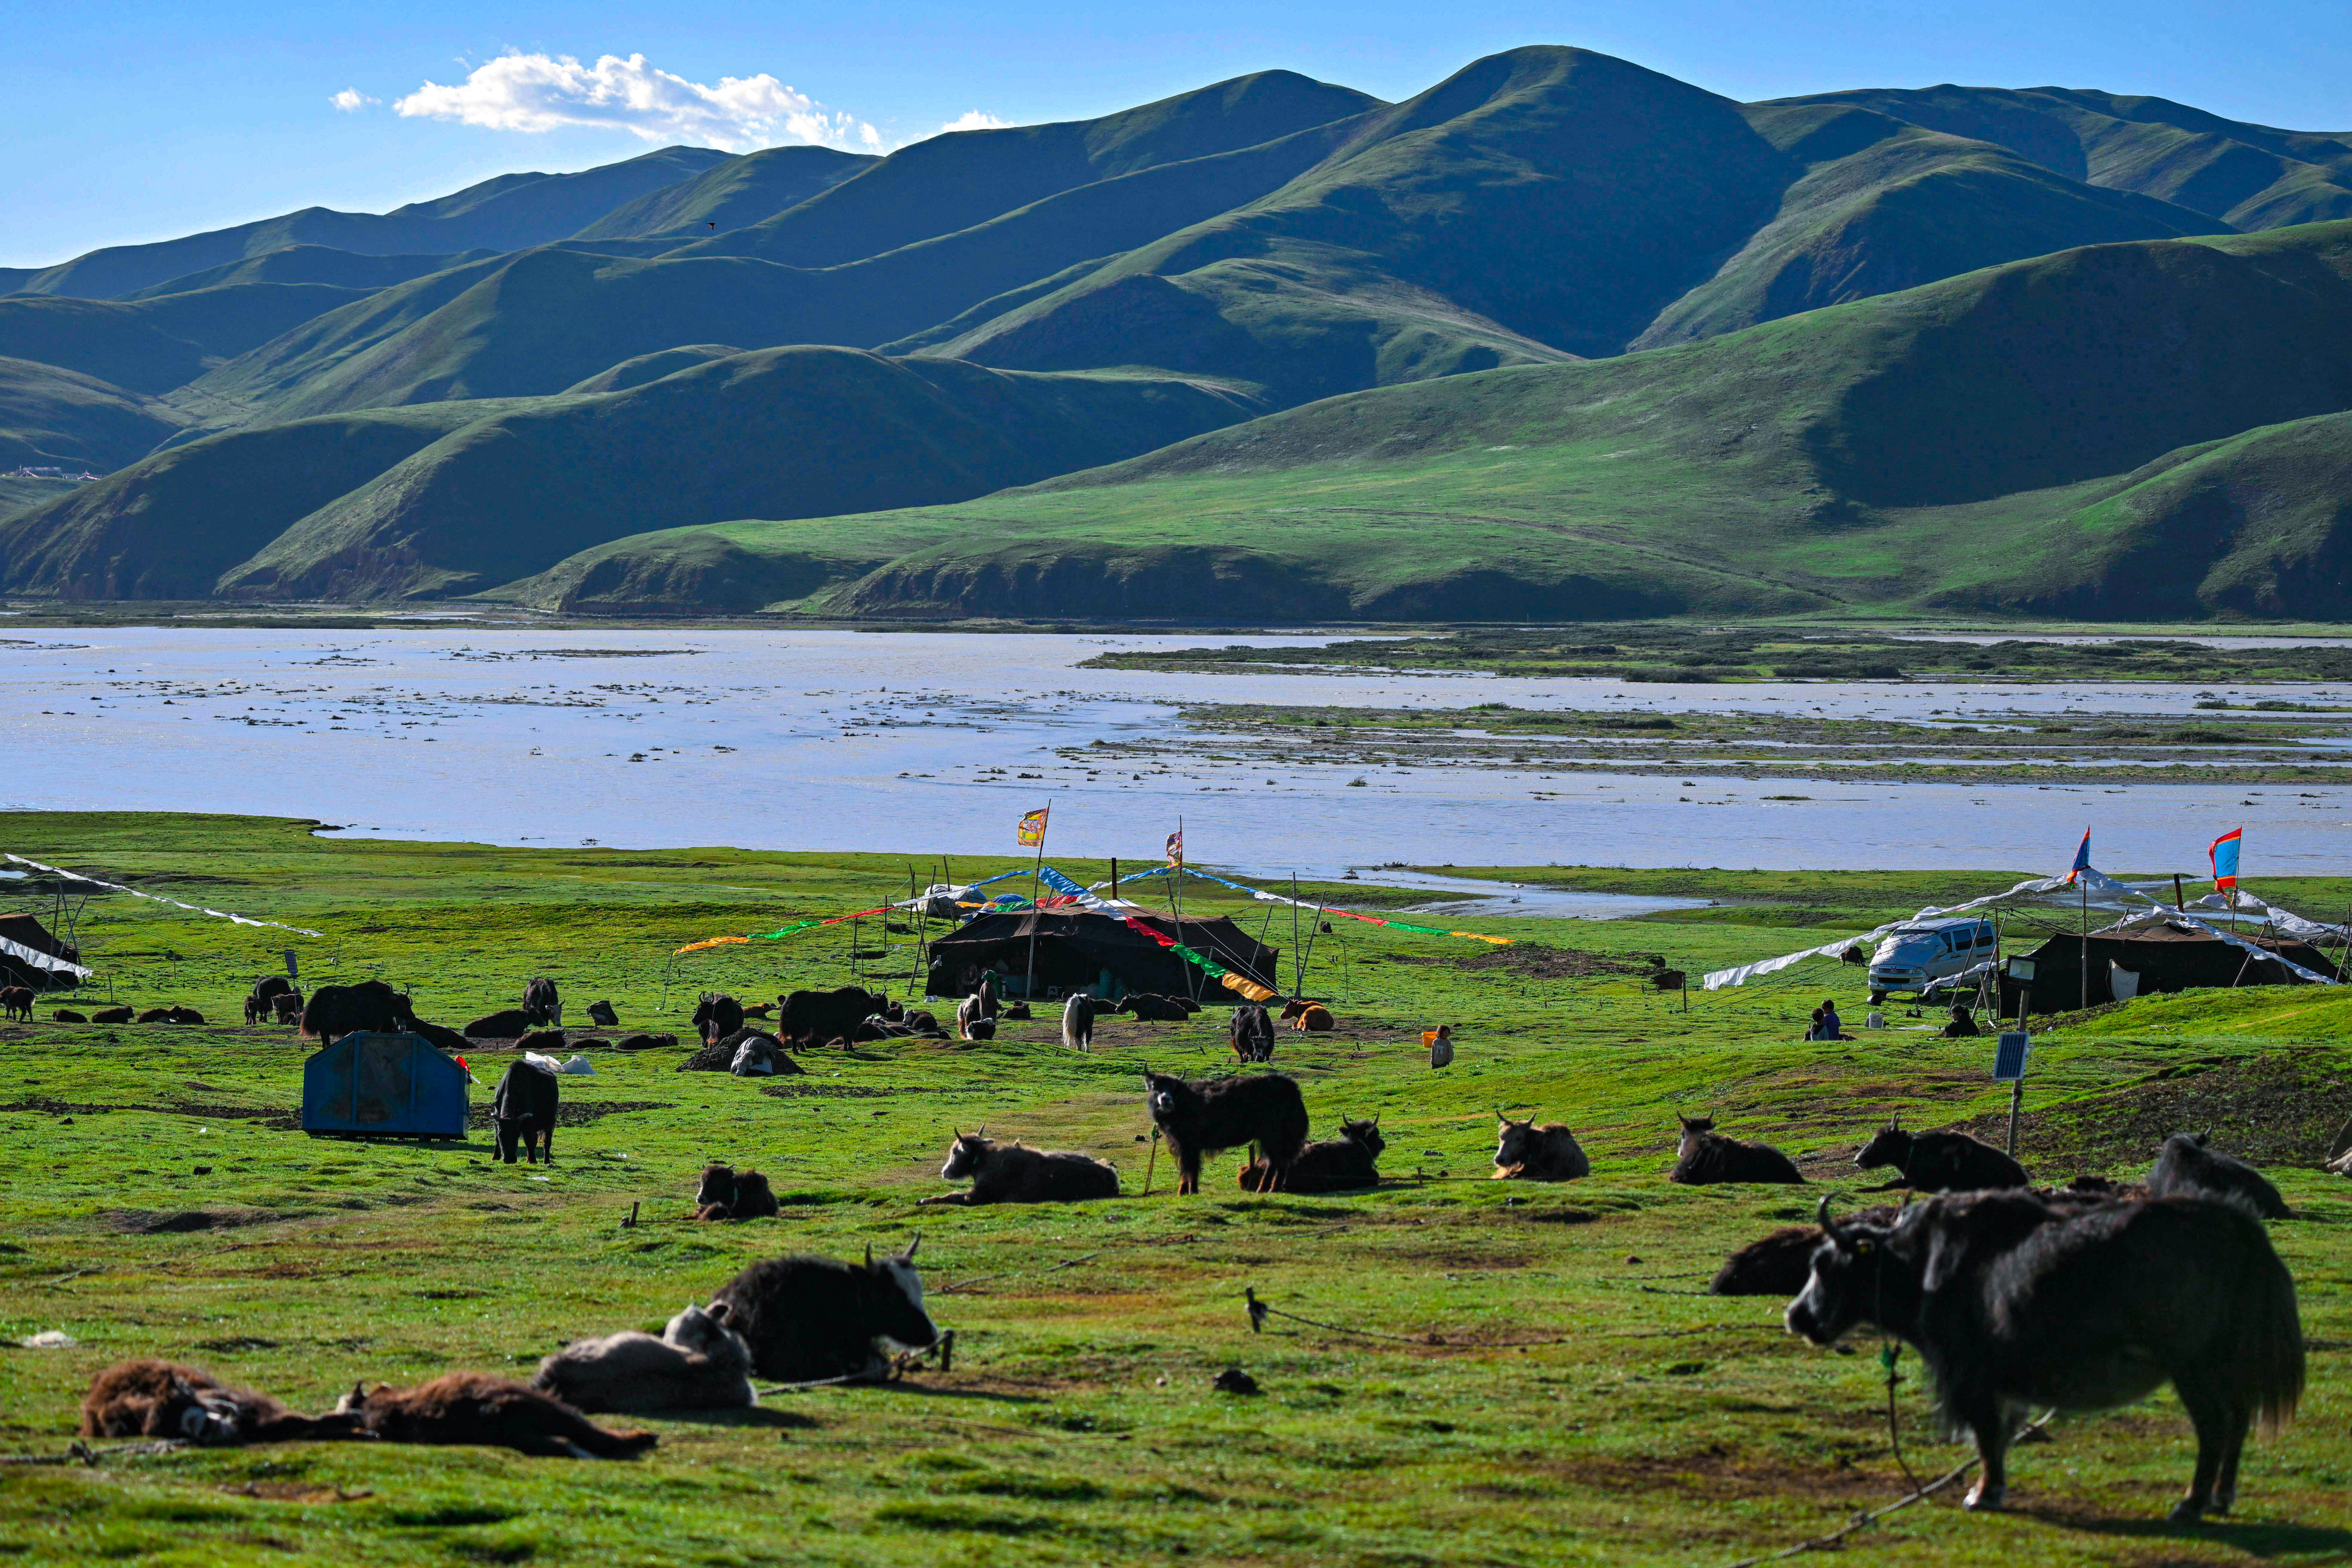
x,y
68,1016
1307,1017
1781,1263
511,1024
1346,1163
113,1016
1526,1153
2012,1303
2186,1168
1017,1174
816,1017
1199,1118
161,1399
1940,1162
1706,1157
1146,1007
726,1193
474,1407
809,1318
698,1362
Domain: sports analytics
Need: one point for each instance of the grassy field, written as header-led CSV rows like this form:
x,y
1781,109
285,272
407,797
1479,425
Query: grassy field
x,y
1556,1391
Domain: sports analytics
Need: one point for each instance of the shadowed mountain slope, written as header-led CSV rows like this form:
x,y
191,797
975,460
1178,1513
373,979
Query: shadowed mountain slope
x,y
508,212
155,345
312,264
731,194
53,416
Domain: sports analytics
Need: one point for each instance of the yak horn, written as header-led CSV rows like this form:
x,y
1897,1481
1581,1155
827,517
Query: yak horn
x,y
1829,1225
908,1255
870,1245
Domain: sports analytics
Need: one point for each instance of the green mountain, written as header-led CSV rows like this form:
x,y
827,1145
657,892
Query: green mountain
x,y
731,195
155,345
311,264
2249,176
50,417
2054,435
508,212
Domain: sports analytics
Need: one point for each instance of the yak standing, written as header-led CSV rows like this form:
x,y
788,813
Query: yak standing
x,y
1199,1118
523,1111
1252,1031
1078,1014
543,1002
2012,1301
370,1008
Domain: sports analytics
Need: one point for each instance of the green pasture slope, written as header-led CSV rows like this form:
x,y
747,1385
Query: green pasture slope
x,y
1078,1424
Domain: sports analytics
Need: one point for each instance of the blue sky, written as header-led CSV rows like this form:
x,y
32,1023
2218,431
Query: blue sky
x,y
125,122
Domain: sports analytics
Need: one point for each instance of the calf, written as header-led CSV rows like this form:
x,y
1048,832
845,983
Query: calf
x,y
2010,1301
807,1319
111,1016
68,1016
1251,1029
261,1002
523,1110
1308,1017
601,1013
161,1399
371,1006
716,1016
16,1002
1200,1117
511,1024
698,1362
760,1010
285,1009
1017,1174
1343,1164
474,1407
1078,1015
1940,1162
542,1002
2186,1168
1706,1157
729,1194
1526,1153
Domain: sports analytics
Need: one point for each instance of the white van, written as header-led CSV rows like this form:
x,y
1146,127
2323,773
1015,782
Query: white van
x,y
1919,952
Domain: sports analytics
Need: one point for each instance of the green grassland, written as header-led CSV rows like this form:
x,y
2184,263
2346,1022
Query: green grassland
x,y
1556,1393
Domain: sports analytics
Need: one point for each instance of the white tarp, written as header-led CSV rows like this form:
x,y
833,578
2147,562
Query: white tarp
x,y
193,909
38,960
1745,972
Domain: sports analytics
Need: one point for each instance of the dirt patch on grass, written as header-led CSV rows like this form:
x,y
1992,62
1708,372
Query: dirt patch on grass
x,y
179,1221
1538,961
577,1113
2273,1109
49,1107
1716,1473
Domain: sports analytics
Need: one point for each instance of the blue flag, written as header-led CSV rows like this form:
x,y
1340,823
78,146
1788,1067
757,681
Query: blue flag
x,y
2082,857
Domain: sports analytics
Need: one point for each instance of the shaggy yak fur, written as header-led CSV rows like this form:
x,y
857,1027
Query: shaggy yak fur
x,y
509,1024
542,1002
523,1111
16,1002
1526,1153
696,1364
159,1399
601,1013
809,1318
285,1009
178,1015
493,1412
814,1017
1940,1162
112,1015
645,1042
2010,1301
1346,1163
1200,1117
68,1016
1706,1157
1781,1263
2186,1168
156,1016
1250,1030
261,1002
1309,1017
1078,1015
334,1011
729,1194
1017,1174
716,1016
1147,1007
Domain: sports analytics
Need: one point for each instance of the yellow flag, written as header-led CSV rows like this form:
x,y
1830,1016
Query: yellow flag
x,y
1032,832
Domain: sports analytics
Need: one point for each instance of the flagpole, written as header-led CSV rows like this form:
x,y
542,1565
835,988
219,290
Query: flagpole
x,y
2083,941
1029,990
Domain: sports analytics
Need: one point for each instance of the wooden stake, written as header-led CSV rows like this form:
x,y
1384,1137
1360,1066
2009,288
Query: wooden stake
x,y
1152,1164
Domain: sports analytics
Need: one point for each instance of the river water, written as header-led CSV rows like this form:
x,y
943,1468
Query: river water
x,y
935,744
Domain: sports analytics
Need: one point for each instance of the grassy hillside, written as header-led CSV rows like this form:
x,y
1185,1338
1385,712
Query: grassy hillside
x,y
503,214
311,264
155,345
731,194
52,415
1820,460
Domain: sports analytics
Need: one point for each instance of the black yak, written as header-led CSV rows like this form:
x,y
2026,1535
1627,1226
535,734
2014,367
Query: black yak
x,y
159,1399
814,1017
370,1007
1251,1029
1017,1174
1200,1117
156,1016
111,1016
601,1013
285,1009
509,1023
1706,1157
68,1016
261,1002
542,1002
523,1111
2186,1168
175,1014
494,1412
1145,1006
716,1016
726,1193
1781,1263
644,1043
1940,1162
697,1362
811,1318
2012,1303
1078,1015
1346,1163
16,1003
1526,1153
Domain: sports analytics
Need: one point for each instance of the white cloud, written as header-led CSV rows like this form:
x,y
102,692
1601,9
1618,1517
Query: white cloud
x,y
543,92
973,120
351,100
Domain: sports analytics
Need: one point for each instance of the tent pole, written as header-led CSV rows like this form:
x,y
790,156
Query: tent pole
x,y
1029,993
2082,952
1298,974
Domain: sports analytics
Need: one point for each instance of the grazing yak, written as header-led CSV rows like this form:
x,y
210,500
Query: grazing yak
x,y
474,1407
1147,1007
811,1318
1346,1163
729,1194
1017,1174
16,1003
161,1399
2012,1303
112,1015
1307,1017
1201,1117
814,1017
261,1002
1706,1157
2186,1168
1078,1015
698,1362
285,1009
1939,1162
601,1013
1251,1029
511,1024
523,1111
371,1006
542,1002
68,1016
716,1016
1526,1153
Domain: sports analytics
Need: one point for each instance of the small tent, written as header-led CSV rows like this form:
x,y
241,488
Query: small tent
x,y
25,943
384,1086
1079,950
2143,960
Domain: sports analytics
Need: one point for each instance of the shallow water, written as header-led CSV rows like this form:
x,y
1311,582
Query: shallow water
x,y
935,744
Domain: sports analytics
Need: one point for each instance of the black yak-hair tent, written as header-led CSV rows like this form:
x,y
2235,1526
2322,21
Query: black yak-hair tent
x,y
384,1086
24,930
2163,956
1079,950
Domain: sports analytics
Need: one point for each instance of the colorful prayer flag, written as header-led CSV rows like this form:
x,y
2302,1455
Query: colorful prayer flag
x,y
1176,849
1032,831
2224,856
2082,859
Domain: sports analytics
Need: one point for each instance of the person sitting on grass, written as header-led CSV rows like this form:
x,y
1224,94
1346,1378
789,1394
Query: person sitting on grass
x,y
1827,1025
1963,1026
